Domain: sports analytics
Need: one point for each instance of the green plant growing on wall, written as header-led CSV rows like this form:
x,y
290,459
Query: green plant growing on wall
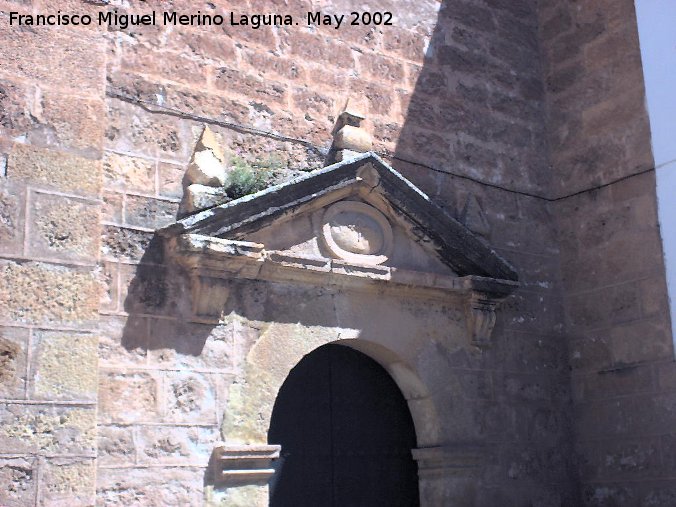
x,y
247,178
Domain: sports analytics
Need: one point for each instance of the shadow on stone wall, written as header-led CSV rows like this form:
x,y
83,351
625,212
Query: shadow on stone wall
x,y
474,135
159,293
477,108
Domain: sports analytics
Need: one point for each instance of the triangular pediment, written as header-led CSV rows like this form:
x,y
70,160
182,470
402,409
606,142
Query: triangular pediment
x,y
359,211
360,229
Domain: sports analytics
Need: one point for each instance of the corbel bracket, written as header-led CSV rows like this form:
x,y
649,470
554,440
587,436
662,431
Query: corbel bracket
x,y
449,461
241,465
481,318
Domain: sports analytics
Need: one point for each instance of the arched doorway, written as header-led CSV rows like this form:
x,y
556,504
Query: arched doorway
x,y
346,435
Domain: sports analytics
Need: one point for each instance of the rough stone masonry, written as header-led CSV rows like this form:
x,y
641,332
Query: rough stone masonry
x,y
526,115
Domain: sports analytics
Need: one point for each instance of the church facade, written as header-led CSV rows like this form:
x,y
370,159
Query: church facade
x,y
326,262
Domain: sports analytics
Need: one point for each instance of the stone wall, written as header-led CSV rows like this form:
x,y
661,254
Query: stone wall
x,y
617,314
453,85
51,146
510,103
475,121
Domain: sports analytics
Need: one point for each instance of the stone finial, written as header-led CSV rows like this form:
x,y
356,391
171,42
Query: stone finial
x,y
206,175
198,197
207,166
350,139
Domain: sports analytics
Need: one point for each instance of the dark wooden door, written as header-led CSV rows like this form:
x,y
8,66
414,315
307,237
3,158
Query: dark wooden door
x,y
346,435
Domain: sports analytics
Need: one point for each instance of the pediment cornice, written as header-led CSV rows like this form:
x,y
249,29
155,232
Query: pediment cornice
x,y
212,245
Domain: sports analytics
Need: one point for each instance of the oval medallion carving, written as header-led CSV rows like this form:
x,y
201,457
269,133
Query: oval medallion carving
x,y
357,232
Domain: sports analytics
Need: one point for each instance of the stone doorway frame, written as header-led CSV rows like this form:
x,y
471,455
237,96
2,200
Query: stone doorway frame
x,y
243,464
212,248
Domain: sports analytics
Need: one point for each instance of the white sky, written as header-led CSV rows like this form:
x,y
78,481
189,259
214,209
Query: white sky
x,y
657,34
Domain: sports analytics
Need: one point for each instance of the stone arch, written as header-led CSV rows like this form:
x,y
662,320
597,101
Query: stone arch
x,y
279,348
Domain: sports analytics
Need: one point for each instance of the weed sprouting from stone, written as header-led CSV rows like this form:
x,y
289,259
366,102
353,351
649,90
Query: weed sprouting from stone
x,y
250,177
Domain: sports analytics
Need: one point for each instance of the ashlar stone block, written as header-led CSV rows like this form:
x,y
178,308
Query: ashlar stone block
x,y
64,366
48,429
12,211
66,295
63,171
191,397
13,353
123,172
64,227
18,478
128,397
68,481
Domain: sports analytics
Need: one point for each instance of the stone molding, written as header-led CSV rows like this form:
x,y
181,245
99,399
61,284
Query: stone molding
x,y
363,237
210,259
454,244
237,465
445,461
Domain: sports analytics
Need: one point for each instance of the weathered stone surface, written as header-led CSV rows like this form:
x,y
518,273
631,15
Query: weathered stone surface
x,y
30,55
128,397
170,486
275,65
56,124
227,78
316,48
666,376
191,397
128,173
615,381
204,45
161,445
64,366
48,429
409,44
608,493
66,295
11,217
18,479
183,345
148,212
136,132
15,102
13,359
207,166
141,58
591,352
124,243
473,217
640,341
171,180
123,340
68,481
620,460
151,289
115,445
112,208
53,169
181,98
109,278
315,104
199,197
63,227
